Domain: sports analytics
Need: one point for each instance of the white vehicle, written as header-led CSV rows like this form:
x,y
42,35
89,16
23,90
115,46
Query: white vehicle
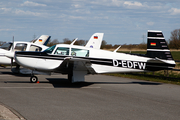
x,y
10,47
77,61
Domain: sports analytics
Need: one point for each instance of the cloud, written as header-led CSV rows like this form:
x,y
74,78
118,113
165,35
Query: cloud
x,y
32,4
5,10
174,11
76,5
132,4
77,17
6,29
21,12
116,3
150,23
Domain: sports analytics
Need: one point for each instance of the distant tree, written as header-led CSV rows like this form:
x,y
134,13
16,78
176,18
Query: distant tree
x,y
80,42
54,42
174,41
116,46
108,46
66,41
104,43
1,43
142,46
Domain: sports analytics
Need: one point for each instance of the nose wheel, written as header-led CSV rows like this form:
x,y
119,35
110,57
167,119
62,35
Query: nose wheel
x,y
33,79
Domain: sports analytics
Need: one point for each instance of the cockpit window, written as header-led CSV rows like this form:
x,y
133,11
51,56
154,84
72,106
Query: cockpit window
x,y
6,46
62,51
20,47
79,52
50,49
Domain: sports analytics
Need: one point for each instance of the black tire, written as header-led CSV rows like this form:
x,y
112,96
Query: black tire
x,y
33,79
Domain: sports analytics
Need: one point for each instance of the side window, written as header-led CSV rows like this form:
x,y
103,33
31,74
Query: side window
x,y
62,51
20,47
79,52
35,48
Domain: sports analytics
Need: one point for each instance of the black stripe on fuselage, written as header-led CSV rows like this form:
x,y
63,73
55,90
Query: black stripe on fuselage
x,y
100,61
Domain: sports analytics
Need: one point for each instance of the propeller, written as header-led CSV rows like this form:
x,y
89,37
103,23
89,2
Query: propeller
x,y
12,51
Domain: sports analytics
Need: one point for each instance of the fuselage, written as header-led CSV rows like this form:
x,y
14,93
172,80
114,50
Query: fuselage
x,y
102,61
17,46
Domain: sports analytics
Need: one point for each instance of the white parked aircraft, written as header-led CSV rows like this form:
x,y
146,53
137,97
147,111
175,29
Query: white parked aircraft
x,y
8,49
94,42
77,61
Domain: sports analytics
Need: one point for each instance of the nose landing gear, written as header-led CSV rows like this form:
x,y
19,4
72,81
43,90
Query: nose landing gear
x,y
33,79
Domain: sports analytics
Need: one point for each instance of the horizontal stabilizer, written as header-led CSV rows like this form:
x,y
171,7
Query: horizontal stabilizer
x,y
158,64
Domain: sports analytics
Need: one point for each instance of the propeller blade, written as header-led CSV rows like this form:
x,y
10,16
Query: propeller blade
x,y
11,62
13,44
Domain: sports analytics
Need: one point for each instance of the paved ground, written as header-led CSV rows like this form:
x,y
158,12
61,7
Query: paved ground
x,y
100,97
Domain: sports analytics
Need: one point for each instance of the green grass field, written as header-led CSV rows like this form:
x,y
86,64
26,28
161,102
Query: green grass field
x,y
158,76
175,54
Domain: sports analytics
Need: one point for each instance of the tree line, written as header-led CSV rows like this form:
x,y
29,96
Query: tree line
x,y
173,42
104,44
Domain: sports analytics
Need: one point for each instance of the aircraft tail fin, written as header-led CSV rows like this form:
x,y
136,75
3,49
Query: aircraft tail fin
x,y
95,41
43,40
157,46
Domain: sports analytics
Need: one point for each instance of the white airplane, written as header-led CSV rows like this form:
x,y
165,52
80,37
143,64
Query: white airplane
x,y
8,49
94,42
77,61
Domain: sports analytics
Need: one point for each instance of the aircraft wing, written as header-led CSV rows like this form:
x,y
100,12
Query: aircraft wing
x,y
75,64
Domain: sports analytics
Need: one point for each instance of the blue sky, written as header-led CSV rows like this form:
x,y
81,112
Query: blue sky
x,y
121,21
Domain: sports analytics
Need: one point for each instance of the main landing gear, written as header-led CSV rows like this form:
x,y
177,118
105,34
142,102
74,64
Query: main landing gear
x,y
33,79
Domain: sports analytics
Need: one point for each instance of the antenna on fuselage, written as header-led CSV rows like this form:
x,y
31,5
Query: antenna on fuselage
x,y
73,41
117,49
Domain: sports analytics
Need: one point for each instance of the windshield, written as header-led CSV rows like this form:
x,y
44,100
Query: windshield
x,y
6,46
50,49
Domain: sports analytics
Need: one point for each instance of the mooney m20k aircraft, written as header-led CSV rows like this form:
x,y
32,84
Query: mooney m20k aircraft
x,y
7,50
77,61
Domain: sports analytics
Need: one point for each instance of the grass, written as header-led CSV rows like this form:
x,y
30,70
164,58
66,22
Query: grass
x,y
158,76
147,77
175,54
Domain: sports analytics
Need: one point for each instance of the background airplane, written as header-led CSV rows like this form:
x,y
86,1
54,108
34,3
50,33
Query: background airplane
x,y
95,41
77,61
7,50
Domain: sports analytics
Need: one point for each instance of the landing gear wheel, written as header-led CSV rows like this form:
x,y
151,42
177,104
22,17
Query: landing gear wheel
x,y
34,79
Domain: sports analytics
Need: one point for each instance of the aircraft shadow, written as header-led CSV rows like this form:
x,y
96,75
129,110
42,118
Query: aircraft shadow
x,y
64,83
9,73
17,82
141,83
